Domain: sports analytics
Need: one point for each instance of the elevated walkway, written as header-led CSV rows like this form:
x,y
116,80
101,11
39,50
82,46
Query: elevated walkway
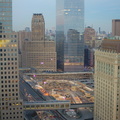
x,y
46,105
65,75
78,105
53,105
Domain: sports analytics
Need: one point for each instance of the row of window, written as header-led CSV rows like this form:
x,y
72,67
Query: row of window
x,y
10,94
14,113
4,50
9,72
9,54
9,81
15,117
9,77
9,90
12,72
12,64
105,67
46,106
13,54
8,68
9,99
5,86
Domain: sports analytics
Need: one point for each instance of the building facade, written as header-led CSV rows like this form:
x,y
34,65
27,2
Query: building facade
x,y
38,27
11,107
24,35
38,52
5,16
70,20
88,57
116,27
89,35
107,81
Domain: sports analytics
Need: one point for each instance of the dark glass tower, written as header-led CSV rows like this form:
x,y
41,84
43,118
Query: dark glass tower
x,y
5,16
69,34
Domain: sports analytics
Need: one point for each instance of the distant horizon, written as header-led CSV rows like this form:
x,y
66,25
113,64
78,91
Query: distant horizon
x,y
97,13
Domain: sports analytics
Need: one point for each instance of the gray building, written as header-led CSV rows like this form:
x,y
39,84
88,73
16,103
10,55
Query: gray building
x,y
70,20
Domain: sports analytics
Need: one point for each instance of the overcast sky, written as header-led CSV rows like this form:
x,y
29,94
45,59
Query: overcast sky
x,y
98,13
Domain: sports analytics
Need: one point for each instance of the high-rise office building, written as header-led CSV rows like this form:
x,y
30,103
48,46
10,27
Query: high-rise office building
x,y
88,57
38,52
5,16
24,35
10,102
116,27
70,20
89,35
107,81
38,27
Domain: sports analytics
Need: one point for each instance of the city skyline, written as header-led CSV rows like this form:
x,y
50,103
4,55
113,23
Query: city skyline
x,y
97,13
41,78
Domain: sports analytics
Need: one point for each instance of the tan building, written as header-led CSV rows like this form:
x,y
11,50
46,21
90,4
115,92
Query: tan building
x,y
22,36
97,43
39,53
107,81
89,33
116,27
11,106
38,27
10,103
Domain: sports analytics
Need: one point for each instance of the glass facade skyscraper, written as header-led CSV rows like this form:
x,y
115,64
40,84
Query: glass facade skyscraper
x,y
69,34
5,16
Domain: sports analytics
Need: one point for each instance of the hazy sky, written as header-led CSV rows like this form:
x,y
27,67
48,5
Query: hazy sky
x,y
98,13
